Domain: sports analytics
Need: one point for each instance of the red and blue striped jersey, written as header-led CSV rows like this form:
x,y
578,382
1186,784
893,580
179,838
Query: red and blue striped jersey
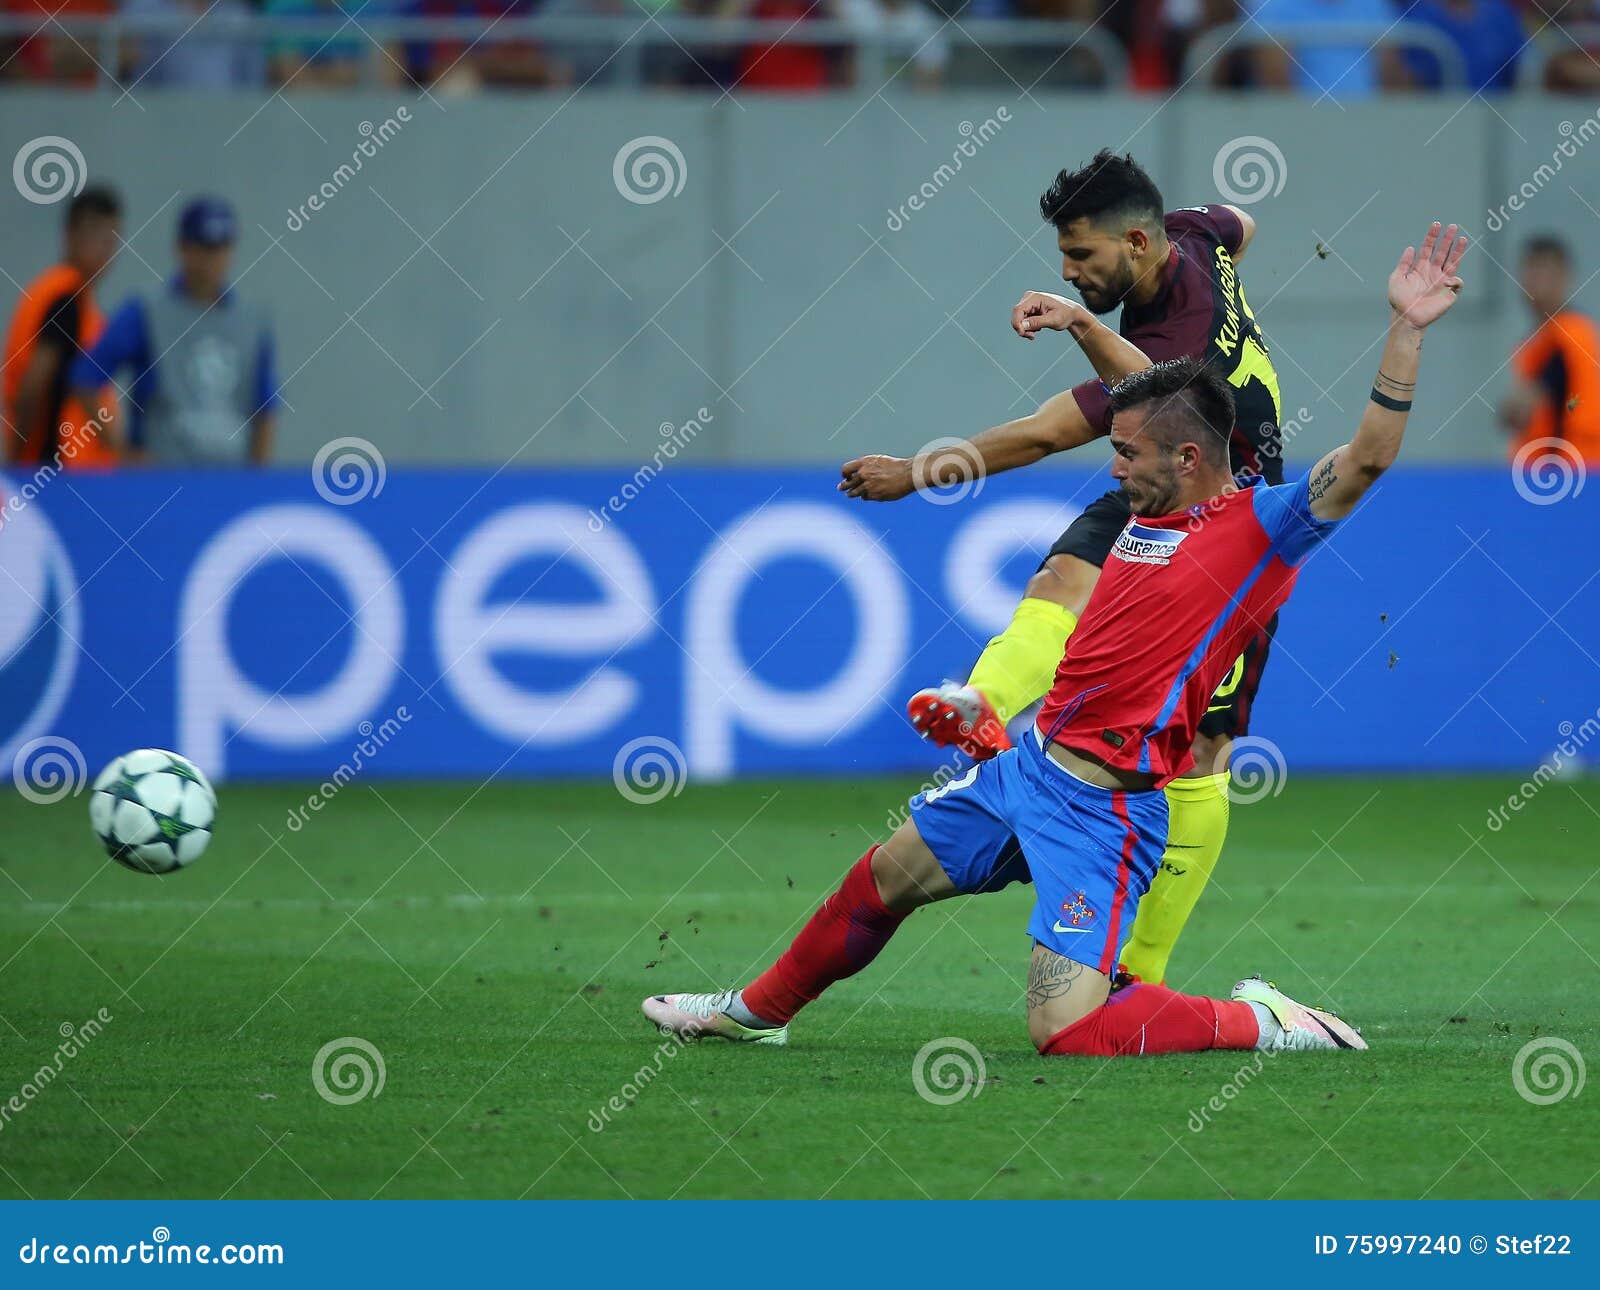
x,y
1177,600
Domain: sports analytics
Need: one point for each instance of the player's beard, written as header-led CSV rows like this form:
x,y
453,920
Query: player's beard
x,y
1098,300
1152,497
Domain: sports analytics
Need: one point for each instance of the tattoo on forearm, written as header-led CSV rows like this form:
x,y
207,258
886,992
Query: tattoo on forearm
x,y
1050,976
1324,478
1389,384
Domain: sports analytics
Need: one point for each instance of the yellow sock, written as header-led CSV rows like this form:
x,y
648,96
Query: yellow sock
x,y
1197,811
1018,666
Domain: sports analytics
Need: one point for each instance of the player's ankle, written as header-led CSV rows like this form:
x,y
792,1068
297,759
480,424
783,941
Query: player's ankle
x,y
742,1014
1269,1025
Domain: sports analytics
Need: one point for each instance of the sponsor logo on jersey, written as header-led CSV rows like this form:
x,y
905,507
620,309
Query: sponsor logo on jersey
x,y
1140,544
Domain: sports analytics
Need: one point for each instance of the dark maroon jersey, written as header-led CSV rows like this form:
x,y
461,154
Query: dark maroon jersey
x,y
1200,312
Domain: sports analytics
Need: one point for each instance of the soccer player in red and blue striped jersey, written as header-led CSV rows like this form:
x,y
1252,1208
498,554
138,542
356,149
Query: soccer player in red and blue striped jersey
x,y
1077,808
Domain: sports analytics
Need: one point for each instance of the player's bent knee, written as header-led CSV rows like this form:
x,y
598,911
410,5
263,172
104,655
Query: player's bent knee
x,y
1040,1033
1065,580
907,873
1061,993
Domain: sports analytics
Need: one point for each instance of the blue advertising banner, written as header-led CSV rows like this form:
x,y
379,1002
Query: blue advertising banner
x,y
1400,1243
746,621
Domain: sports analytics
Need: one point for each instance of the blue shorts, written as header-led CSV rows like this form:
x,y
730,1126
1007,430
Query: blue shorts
x,y
1090,852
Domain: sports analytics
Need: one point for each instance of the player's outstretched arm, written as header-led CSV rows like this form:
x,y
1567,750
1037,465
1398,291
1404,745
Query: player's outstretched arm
x,y
1057,425
1421,290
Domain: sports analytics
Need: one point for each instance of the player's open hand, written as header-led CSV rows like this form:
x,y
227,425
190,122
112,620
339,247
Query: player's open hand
x,y
1038,310
1424,284
878,478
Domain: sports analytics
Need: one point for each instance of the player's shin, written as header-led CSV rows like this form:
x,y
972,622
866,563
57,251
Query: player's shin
x,y
841,938
1197,812
1143,1020
1017,666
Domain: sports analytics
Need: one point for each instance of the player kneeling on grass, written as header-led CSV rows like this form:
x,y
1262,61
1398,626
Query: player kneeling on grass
x,y
1077,806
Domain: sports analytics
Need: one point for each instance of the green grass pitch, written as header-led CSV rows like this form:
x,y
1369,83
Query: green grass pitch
x,y
493,945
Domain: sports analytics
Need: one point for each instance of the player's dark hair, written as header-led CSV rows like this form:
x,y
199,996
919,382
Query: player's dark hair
x,y
1547,244
1110,189
94,201
1192,403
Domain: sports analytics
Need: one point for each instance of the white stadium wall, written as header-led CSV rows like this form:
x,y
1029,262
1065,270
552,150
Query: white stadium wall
x,y
483,288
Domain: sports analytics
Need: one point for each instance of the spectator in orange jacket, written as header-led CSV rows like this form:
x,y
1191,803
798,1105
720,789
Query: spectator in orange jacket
x,y
55,321
1556,371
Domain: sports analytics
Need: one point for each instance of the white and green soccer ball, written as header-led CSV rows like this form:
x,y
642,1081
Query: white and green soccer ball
x,y
152,811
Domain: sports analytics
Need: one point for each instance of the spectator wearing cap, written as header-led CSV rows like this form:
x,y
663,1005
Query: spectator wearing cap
x,y
202,383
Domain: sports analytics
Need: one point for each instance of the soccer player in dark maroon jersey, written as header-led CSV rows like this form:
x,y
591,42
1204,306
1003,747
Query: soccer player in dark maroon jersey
x,y
1175,277
1077,808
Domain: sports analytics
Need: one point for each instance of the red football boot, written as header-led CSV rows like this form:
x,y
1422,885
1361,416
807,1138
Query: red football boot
x,y
959,716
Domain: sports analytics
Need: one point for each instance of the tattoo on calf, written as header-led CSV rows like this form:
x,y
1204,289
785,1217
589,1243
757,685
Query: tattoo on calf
x,y
1050,976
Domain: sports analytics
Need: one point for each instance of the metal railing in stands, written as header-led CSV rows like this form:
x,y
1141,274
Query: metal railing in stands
x,y
1577,37
879,54
1210,45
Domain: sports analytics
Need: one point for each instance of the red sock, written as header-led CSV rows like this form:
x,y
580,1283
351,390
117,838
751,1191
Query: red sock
x,y
1144,1019
841,939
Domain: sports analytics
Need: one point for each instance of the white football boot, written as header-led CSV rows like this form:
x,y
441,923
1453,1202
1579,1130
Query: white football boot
x,y
1291,1025
705,1016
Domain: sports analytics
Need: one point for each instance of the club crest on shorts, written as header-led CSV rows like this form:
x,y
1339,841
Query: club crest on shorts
x,y
1077,911
1141,544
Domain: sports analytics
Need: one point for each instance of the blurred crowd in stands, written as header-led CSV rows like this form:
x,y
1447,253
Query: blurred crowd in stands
x,y
921,43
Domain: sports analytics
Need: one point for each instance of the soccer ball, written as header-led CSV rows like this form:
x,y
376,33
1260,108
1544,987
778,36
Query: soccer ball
x,y
152,811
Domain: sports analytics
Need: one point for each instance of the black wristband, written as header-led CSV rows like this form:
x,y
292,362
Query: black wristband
x,y
1384,401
